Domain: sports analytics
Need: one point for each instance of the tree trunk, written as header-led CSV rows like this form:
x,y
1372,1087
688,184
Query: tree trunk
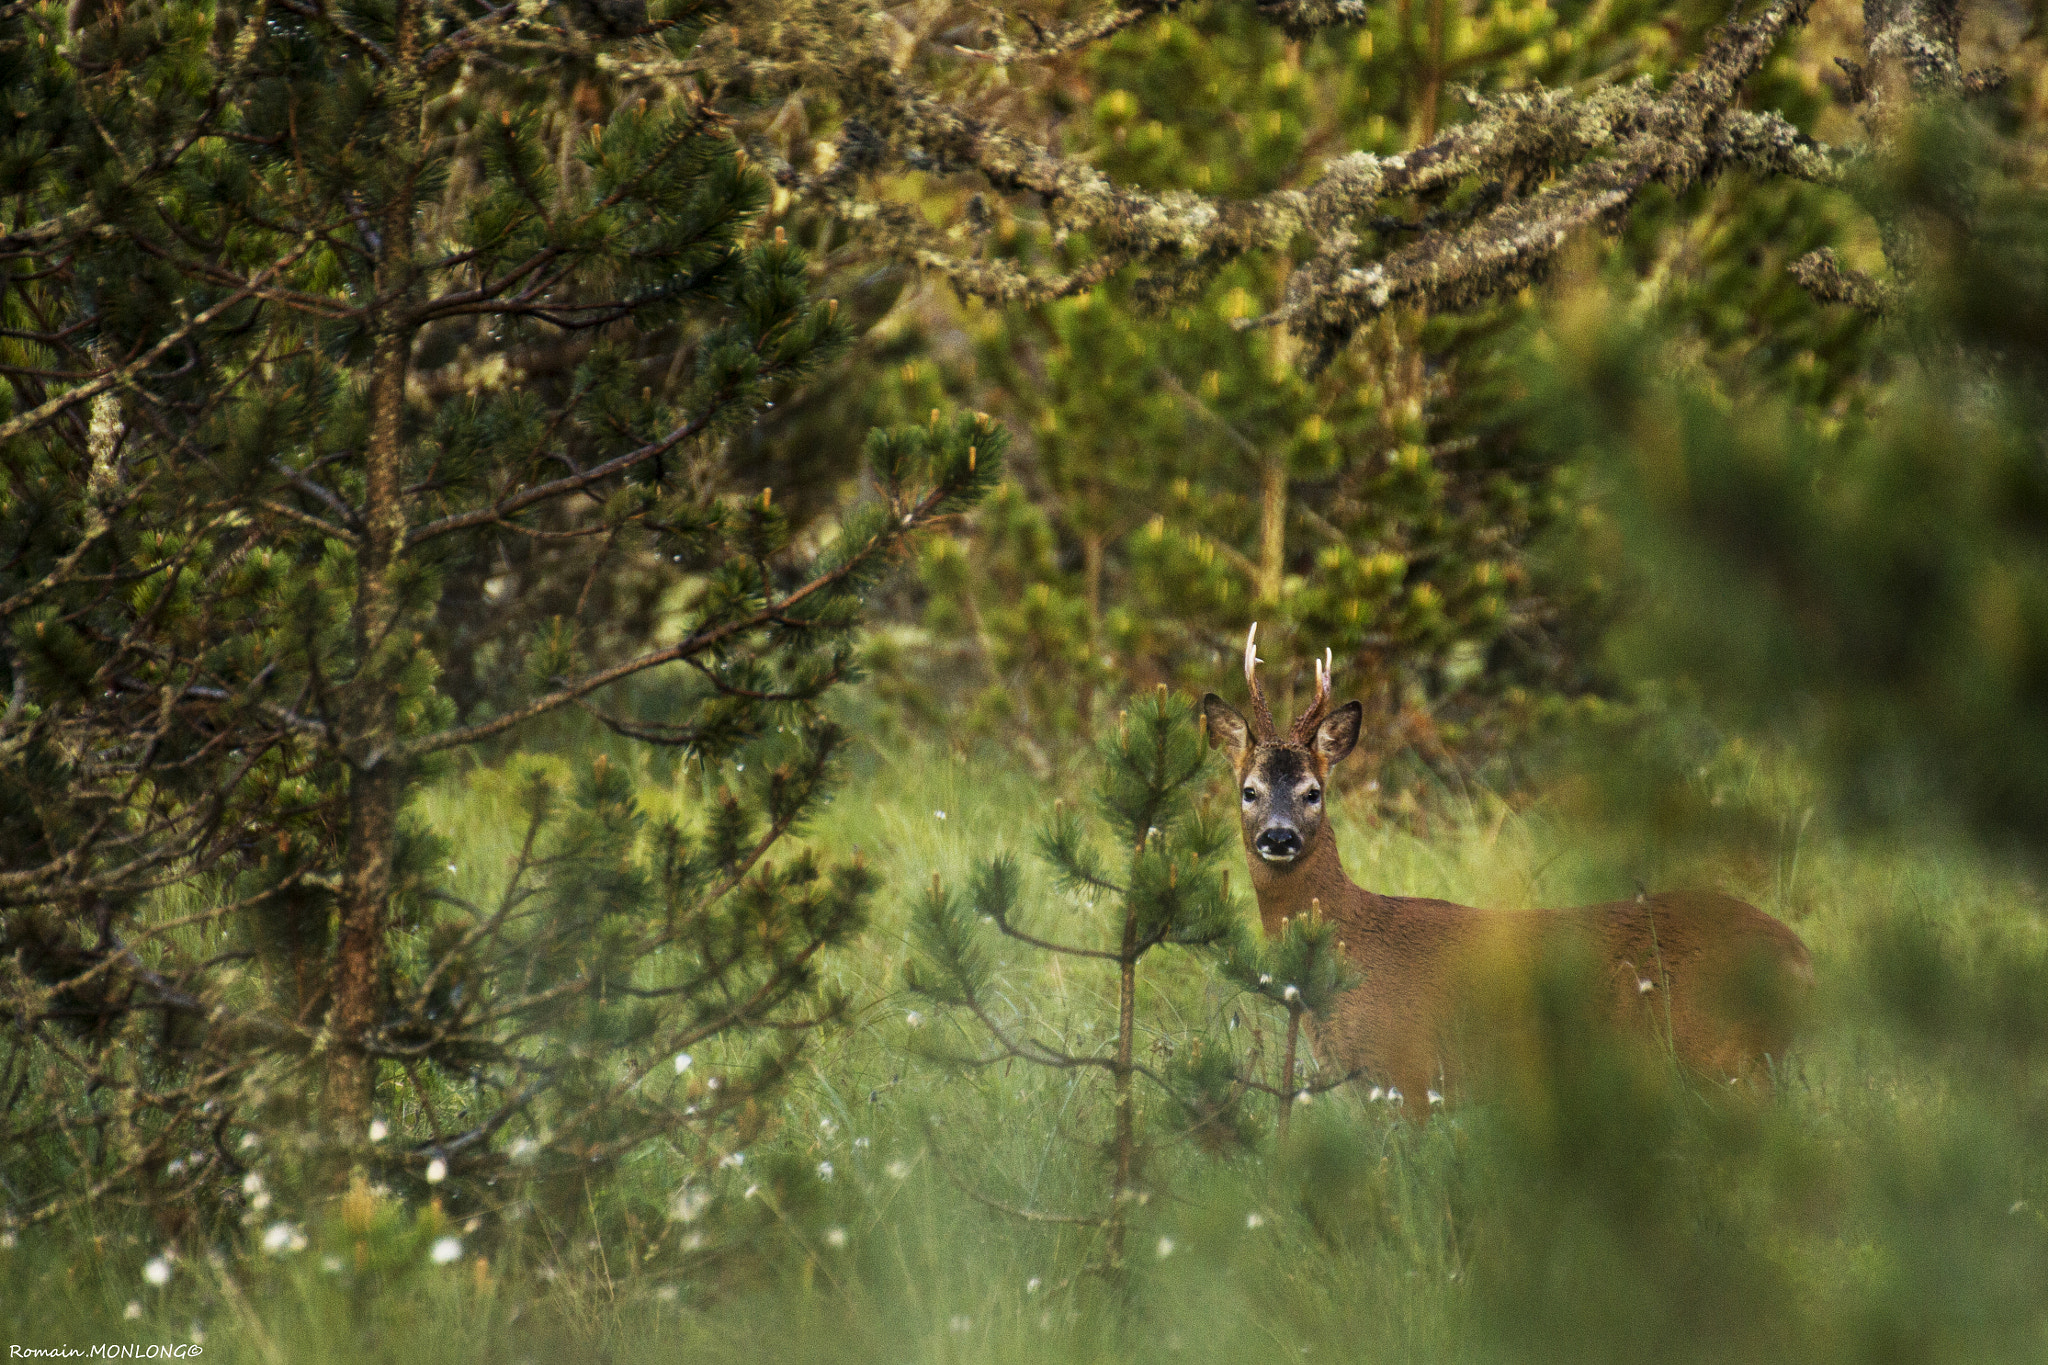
x,y
1126,1127
1287,1069
1430,87
1272,526
1091,572
367,710
373,798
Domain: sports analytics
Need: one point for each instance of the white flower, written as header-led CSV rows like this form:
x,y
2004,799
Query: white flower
x,y
437,1171
1265,978
451,867
261,1201
913,1019
177,1167
1435,1098
682,1062
713,1083
248,1140
252,1183
666,1294
752,1190
1304,1097
1376,1093
824,1170
732,1161
378,1130
1031,1285
898,1169
960,1322
157,1272
689,1203
330,1265
939,814
446,1250
1255,1219
860,1144
133,1311
835,1238
1291,994
1165,1247
1393,1096
280,1238
1644,985
827,1127
524,1150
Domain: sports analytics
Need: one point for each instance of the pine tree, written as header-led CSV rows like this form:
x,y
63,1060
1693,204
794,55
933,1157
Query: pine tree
x,y
1860,580
313,316
1167,888
1302,970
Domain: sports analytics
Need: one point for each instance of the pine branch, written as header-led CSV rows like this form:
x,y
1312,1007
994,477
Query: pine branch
x,y
245,290
1674,138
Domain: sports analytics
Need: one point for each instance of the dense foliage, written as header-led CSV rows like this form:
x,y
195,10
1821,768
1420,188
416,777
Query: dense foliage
x,y
434,572
1179,476
317,322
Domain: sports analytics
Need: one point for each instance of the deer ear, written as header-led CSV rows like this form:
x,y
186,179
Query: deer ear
x,y
1226,727
1338,734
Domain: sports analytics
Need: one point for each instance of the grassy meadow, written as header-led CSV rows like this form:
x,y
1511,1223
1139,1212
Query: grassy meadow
x,y
1887,1203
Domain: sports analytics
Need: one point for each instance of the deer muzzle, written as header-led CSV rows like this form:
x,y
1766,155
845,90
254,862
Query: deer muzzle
x,y
1278,844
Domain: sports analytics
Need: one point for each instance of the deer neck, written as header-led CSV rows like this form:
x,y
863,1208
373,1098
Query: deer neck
x,y
1289,889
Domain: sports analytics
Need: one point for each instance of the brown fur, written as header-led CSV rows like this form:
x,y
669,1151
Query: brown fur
x,y
1699,968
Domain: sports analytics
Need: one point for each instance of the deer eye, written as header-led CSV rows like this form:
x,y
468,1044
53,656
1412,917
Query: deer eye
x,y
1250,796
1311,796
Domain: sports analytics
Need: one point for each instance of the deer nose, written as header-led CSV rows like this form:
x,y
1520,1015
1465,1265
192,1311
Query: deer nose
x,y
1278,842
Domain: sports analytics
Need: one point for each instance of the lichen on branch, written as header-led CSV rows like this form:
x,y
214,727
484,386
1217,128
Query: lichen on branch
x,y
1559,161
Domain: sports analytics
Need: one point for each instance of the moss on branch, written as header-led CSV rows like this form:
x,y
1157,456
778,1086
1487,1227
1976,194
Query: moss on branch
x,y
1569,162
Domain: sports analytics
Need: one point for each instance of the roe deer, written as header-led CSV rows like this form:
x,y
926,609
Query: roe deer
x,y
1693,963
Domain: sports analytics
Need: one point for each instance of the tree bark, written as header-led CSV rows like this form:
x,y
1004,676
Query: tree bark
x,y
1091,572
1272,526
369,702
1287,1068
1126,1127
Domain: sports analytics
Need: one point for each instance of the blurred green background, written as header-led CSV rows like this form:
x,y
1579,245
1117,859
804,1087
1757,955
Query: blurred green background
x,y
1659,574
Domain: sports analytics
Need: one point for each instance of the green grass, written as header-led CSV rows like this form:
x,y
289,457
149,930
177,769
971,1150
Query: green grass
x,y
1886,1204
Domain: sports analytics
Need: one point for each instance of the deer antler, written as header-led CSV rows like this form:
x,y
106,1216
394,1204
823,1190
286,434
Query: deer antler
x,y
1262,714
1305,724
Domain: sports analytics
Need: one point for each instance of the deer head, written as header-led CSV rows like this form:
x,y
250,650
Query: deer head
x,y
1281,781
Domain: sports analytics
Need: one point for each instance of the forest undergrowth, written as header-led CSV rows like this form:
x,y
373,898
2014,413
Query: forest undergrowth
x,y
1886,1202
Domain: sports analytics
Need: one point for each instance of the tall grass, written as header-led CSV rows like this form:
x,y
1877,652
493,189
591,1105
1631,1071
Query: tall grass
x,y
1885,1203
